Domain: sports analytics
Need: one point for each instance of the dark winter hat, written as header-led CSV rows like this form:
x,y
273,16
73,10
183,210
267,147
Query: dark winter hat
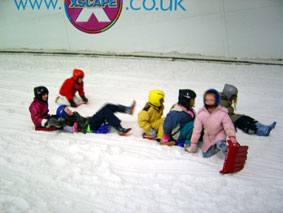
x,y
217,95
185,96
40,91
60,111
229,90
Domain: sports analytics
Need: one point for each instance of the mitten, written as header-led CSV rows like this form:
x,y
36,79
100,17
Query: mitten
x,y
85,100
152,132
165,139
193,148
44,122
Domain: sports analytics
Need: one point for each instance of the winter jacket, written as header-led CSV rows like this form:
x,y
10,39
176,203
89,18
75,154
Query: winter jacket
x,y
224,103
176,120
38,111
217,125
70,87
81,121
151,117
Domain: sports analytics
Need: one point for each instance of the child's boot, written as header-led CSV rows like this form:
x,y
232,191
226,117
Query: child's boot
x,y
264,130
122,131
130,109
222,146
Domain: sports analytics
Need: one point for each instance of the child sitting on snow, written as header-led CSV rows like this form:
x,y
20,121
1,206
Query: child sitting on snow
x,y
69,89
249,125
39,110
73,121
149,119
216,123
179,122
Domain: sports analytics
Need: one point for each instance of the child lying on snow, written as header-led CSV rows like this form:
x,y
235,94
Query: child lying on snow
x,y
179,122
39,110
216,123
249,125
73,121
149,119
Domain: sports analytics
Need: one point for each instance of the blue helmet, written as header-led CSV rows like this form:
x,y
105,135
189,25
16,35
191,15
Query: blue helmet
x,y
214,91
60,111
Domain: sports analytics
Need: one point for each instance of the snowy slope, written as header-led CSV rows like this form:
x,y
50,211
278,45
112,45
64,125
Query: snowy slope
x,y
63,172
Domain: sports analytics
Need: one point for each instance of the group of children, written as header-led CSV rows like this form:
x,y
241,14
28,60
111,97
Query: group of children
x,y
212,124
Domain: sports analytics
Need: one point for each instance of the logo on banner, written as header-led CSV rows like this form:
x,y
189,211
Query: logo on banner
x,y
93,16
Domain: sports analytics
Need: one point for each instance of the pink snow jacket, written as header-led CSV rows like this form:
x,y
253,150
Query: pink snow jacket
x,y
217,126
38,111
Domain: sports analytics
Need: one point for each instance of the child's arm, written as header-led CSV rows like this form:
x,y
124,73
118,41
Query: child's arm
x,y
170,123
37,116
143,121
228,125
196,134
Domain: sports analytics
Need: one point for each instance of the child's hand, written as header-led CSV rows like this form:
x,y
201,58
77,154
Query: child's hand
x,y
85,100
165,139
73,104
152,132
233,139
193,148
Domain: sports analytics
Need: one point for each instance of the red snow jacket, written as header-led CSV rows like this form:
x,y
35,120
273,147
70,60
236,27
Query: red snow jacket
x,y
38,111
70,87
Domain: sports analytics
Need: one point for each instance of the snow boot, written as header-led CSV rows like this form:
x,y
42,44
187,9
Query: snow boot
x,y
264,130
130,109
222,146
123,131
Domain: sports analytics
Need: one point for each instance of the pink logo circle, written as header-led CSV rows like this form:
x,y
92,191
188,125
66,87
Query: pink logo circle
x,y
94,16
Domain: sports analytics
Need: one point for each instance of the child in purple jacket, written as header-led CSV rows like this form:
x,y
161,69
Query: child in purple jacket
x,y
39,110
216,124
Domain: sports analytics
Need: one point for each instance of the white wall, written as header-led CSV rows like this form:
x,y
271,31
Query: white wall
x,y
222,28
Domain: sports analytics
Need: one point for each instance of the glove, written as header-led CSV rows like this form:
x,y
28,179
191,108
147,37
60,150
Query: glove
x,y
85,100
44,122
152,132
233,139
193,148
73,104
165,139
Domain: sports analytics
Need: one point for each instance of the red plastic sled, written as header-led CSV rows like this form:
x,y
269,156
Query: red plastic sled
x,y
145,136
235,158
53,128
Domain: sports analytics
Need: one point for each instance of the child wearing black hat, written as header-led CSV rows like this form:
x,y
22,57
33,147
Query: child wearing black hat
x,y
178,124
39,110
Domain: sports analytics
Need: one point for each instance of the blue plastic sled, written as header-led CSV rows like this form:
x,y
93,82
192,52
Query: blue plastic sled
x,y
180,143
102,130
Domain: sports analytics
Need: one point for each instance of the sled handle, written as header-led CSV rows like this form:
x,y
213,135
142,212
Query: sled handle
x,y
231,144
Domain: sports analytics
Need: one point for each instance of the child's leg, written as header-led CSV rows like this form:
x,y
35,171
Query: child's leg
x,y
62,100
106,114
186,132
210,152
71,129
220,145
251,126
246,124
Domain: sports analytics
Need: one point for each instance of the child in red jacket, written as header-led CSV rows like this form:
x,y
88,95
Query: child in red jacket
x,y
70,87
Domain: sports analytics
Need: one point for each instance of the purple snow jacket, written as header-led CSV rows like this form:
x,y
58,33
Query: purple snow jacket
x,y
38,110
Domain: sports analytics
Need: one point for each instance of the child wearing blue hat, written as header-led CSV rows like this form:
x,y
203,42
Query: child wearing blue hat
x,y
96,122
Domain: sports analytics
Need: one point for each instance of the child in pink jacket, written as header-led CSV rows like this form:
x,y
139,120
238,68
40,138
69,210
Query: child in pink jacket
x,y
216,124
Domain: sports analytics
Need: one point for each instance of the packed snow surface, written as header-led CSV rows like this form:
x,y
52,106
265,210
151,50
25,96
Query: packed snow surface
x,y
64,172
